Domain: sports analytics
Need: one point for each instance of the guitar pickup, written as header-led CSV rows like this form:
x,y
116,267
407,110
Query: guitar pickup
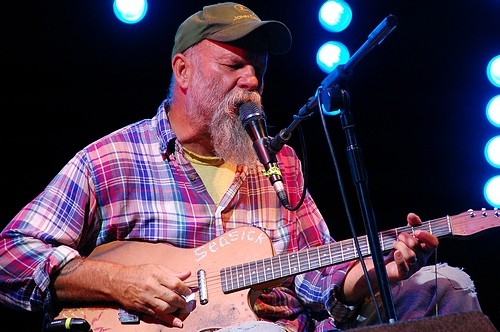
x,y
191,303
127,317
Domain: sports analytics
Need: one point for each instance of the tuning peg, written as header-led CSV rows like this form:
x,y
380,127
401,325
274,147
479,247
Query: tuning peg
x,y
472,214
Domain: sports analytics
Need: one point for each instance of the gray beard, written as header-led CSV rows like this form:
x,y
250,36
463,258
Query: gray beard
x,y
231,141
215,114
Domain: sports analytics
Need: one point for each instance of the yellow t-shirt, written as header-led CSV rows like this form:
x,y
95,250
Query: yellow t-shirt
x,y
216,174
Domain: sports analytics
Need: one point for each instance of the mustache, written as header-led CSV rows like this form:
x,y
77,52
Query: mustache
x,y
235,100
230,140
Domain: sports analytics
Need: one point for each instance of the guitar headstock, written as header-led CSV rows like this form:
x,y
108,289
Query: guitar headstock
x,y
472,222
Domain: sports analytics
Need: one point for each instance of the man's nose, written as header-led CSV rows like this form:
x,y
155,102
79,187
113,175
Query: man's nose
x,y
249,79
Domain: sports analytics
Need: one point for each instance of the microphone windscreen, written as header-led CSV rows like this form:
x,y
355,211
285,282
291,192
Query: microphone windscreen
x,y
249,112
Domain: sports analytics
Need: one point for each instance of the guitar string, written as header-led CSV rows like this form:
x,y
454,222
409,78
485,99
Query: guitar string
x,y
438,227
242,281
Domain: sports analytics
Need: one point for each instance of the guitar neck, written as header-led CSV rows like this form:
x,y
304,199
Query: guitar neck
x,y
281,266
266,270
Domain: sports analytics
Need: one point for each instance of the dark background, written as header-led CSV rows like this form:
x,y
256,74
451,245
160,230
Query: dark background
x,y
73,73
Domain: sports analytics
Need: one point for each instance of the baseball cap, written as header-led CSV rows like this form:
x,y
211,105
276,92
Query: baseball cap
x,y
232,22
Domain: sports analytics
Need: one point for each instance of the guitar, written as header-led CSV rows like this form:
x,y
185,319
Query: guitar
x,y
241,259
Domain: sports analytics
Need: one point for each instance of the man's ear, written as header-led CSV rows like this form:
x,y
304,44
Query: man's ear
x,y
181,70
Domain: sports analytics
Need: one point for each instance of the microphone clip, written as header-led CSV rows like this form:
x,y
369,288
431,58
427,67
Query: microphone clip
x,y
273,170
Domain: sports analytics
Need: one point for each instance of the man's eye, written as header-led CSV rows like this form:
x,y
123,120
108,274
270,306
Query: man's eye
x,y
236,66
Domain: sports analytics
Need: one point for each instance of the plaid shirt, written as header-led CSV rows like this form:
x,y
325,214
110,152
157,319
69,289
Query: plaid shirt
x,y
136,183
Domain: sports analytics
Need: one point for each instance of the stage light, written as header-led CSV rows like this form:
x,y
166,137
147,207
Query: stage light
x,y
492,191
332,54
335,15
130,11
492,147
492,151
493,71
493,111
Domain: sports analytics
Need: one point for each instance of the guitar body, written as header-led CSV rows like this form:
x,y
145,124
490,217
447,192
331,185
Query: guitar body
x,y
238,246
243,259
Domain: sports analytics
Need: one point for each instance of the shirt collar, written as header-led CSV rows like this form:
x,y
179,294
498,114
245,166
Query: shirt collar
x,y
165,133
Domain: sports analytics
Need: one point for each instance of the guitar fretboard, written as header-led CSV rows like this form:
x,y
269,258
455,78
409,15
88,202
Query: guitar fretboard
x,y
245,275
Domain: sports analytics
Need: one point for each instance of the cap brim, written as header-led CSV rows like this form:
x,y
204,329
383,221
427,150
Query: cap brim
x,y
270,36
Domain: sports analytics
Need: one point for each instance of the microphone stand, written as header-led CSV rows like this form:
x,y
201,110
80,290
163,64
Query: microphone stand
x,y
334,83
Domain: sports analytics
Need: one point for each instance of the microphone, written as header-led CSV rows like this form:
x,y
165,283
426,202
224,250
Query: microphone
x,y
254,121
